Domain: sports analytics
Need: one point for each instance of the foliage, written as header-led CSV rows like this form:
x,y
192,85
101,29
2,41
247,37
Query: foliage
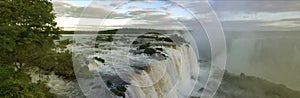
x,y
121,88
27,37
114,31
118,93
27,34
243,86
17,84
27,30
59,63
109,83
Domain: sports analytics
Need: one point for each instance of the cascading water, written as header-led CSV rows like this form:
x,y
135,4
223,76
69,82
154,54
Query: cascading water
x,y
160,70
57,85
176,81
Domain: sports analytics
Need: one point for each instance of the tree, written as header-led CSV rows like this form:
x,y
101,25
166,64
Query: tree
x,y
17,84
27,34
27,30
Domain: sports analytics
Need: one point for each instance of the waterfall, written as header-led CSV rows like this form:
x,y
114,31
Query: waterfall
x,y
174,77
176,80
170,72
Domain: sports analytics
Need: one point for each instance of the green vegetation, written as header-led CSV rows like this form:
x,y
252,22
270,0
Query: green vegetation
x,y
119,91
66,32
27,34
17,84
89,32
109,83
252,87
157,36
114,31
121,88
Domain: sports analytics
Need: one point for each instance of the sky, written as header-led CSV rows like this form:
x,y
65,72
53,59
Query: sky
x,y
234,15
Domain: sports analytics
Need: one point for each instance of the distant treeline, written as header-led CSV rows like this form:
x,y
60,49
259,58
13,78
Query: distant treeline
x,y
117,31
90,32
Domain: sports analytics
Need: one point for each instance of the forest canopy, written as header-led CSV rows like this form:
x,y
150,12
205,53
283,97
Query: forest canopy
x,y
27,35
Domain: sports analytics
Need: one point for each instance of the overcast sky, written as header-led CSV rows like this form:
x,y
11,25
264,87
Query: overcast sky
x,y
235,15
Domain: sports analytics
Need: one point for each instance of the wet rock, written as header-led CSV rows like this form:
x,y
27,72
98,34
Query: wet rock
x,y
144,46
158,56
201,89
135,42
160,49
118,93
140,67
113,81
99,59
149,51
95,87
166,39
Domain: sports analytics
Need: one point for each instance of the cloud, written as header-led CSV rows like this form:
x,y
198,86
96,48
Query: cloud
x,y
165,8
182,19
155,17
169,14
149,1
257,25
291,19
198,7
234,15
144,11
297,22
133,7
158,21
67,9
63,8
251,15
90,24
93,12
69,15
256,6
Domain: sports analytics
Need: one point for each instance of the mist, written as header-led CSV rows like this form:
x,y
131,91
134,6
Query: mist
x,y
271,55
